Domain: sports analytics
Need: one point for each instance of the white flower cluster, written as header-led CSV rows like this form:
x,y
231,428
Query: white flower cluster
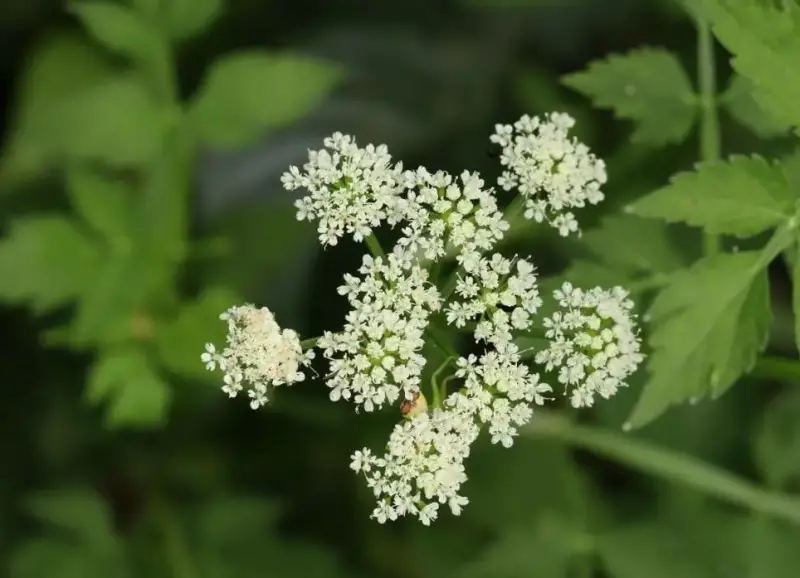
x,y
423,466
440,214
259,354
352,190
593,342
504,302
553,172
376,357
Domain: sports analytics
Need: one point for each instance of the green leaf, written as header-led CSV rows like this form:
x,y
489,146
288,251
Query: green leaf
x,y
107,308
116,121
709,325
647,86
60,66
776,445
135,395
45,262
768,549
180,340
248,92
79,540
765,43
743,196
106,205
118,28
741,104
184,19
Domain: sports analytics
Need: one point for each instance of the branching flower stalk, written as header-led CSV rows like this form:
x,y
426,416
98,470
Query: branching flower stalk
x,y
398,305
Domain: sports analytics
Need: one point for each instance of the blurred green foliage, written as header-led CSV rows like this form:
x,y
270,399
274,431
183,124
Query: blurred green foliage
x,y
120,455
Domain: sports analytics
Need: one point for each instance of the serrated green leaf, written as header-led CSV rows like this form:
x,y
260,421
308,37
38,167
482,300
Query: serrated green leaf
x,y
134,393
180,340
776,445
742,106
248,92
743,197
765,43
184,19
105,205
45,262
59,67
647,86
633,245
116,121
118,28
709,325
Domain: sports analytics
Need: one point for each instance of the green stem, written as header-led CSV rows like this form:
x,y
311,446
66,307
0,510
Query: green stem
x,y
176,550
438,393
777,368
709,121
668,464
374,246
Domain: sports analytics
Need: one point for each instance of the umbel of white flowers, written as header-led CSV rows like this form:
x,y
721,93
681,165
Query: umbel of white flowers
x,y
376,358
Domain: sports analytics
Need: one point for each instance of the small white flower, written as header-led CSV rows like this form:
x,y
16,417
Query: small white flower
x,y
352,190
594,342
375,359
258,355
553,172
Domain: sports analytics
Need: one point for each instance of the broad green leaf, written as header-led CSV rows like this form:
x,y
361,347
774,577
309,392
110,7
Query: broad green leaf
x,y
105,204
743,196
184,19
60,66
647,86
133,392
181,339
107,309
765,43
79,540
116,121
633,245
776,444
709,325
118,28
248,92
741,104
45,262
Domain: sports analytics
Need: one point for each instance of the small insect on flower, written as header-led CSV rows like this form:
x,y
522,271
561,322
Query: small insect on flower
x,y
411,408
